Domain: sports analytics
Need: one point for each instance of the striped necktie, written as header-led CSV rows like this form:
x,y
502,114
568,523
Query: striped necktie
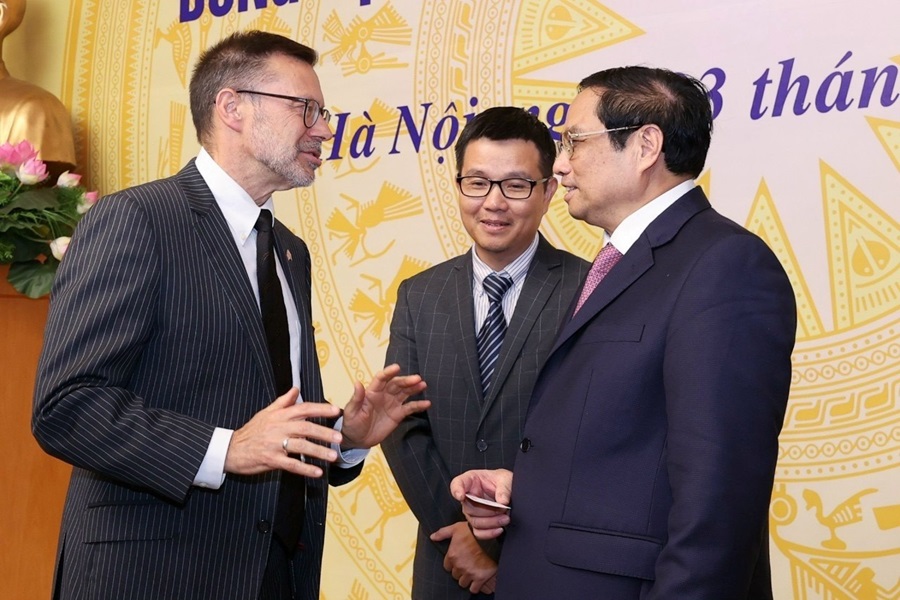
x,y
490,338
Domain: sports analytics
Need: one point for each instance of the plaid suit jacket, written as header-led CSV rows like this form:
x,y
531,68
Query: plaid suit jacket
x,y
433,334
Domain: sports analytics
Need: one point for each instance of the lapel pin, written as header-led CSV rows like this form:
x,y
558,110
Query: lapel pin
x,y
289,257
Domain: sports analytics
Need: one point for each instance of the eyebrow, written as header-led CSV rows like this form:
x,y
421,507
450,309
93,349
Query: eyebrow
x,y
510,175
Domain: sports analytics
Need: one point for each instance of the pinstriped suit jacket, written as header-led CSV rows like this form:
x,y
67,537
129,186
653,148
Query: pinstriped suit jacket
x,y
154,338
433,334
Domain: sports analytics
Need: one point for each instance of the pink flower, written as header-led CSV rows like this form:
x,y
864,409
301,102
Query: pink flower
x,y
59,246
13,156
68,180
32,171
87,200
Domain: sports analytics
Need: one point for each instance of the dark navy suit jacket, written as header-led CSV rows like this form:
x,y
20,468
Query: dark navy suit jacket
x,y
652,434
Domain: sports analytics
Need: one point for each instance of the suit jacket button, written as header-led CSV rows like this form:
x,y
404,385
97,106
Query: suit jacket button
x,y
263,526
525,445
481,445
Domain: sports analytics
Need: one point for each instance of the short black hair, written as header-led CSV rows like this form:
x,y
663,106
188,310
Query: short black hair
x,y
677,103
508,123
237,61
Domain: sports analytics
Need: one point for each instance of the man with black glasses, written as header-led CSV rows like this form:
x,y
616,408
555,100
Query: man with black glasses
x,y
179,373
478,328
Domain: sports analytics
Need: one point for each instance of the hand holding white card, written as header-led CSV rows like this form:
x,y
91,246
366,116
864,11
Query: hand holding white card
x,y
486,502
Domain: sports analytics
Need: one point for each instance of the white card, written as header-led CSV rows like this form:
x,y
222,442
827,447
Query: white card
x,y
486,502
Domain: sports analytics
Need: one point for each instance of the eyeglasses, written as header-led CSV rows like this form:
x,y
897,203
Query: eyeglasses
x,y
312,110
513,188
567,140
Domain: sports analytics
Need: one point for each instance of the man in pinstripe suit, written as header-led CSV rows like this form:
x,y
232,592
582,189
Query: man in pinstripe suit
x,y
156,381
504,159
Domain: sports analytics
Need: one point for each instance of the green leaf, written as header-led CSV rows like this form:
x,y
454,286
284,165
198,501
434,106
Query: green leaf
x,y
33,278
37,199
25,249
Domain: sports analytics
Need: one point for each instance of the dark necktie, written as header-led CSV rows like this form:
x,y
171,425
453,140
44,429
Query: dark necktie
x,y
289,512
490,338
603,264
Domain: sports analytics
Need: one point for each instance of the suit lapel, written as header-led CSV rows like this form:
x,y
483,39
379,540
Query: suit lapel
x,y
227,266
293,259
635,262
540,282
465,322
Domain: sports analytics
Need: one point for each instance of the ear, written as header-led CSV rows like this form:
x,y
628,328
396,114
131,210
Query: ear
x,y
230,109
649,139
550,187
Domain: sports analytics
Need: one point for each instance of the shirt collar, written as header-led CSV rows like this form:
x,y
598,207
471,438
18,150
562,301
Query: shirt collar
x,y
239,209
631,228
516,270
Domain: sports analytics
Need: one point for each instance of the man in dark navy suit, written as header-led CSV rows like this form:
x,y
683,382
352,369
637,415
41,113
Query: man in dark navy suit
x,y
648,456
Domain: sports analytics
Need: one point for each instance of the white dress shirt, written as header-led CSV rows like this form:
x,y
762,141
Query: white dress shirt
x,y
241,212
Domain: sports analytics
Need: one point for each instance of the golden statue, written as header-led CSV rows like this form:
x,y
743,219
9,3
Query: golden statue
x,y
28,112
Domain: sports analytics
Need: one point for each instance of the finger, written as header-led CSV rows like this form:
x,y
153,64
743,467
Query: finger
x,y
298,467
491,522
304,433
400,382
477,510
416,406
359,395
490,585
408,385
459,486
487,534
310,410
300,446
444,533
289,398
465,580
381,379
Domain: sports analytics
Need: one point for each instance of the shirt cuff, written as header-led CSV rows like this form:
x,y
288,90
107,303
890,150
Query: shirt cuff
x,y
211,474
351,457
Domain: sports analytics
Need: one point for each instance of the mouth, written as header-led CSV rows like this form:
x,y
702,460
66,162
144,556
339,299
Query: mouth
x,y
314,153
493,225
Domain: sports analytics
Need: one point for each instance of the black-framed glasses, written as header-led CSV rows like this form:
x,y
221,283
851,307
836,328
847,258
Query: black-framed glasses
x,y
567,140
312,110
513,188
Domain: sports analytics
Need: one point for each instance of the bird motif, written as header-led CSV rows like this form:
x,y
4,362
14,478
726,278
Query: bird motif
x,y
847,512
377,311
179,36
391,203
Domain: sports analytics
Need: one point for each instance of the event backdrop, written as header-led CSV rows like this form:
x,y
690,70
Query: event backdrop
x,y
806,153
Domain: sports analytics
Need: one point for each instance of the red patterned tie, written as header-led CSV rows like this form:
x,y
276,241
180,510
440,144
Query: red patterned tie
x,y
605,261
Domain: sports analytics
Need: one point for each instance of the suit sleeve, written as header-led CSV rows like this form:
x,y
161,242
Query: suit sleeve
x,y
102,312
727,372
310,372
410,450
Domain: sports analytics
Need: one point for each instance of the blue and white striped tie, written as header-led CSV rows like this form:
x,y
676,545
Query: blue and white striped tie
x,y
490,338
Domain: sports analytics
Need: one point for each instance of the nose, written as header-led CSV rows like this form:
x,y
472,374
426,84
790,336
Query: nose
x,y
495,200
561,165
321,130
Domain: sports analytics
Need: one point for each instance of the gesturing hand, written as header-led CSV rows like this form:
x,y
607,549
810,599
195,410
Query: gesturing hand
x,y
375,411
257,446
